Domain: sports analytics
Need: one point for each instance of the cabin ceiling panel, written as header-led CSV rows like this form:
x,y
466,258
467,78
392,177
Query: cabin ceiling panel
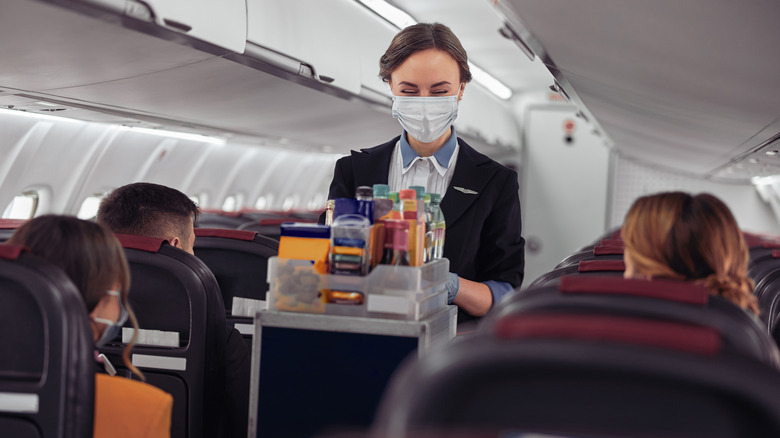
x,y
698,78
54,48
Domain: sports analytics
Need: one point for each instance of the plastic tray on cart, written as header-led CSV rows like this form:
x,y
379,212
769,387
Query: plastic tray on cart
x,y
393,292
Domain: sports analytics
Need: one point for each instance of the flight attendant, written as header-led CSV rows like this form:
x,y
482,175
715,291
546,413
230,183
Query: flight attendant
x,y
427,70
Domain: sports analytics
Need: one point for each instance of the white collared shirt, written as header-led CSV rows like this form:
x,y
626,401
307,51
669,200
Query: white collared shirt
x,y
423,171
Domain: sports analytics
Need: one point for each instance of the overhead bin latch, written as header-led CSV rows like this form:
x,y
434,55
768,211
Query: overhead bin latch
x,y
509,33
138,9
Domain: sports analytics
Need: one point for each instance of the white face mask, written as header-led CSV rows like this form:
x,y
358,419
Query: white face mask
x,y
425,118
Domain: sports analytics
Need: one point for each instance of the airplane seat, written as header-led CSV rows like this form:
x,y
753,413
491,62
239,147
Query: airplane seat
x,y
47,363
271,227
584,267
612,250
612,234
663,300
767,291
8,226
223,219
583,375
175,295
239,261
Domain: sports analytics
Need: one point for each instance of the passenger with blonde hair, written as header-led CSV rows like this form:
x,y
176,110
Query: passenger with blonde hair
x,y
675,235
94,260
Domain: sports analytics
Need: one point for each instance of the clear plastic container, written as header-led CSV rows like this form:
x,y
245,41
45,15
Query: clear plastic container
x,y
390,292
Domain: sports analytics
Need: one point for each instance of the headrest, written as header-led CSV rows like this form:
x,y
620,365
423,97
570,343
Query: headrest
x,y
229,234
612,242
11,252
601,265
10,224
607,250
144,243
664,334
679,291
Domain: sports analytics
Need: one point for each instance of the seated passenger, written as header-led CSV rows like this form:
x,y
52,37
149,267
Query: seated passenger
x,y
94,260
153,210
692,238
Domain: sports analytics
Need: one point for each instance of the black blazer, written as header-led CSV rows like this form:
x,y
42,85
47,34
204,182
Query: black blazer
x,y
483,240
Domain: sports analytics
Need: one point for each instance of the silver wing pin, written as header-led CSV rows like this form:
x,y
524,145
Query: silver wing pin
x,y
466,191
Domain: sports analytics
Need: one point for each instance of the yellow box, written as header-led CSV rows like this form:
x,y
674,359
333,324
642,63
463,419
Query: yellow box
x,y
306,248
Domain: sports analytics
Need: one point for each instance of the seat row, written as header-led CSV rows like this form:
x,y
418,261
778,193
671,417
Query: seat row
x,y
586,352
46,359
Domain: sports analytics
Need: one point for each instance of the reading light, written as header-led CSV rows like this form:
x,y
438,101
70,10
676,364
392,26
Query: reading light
x,y
395,16
401,19
764,180
174,134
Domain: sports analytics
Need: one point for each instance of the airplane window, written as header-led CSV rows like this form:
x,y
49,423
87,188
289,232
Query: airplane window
x,y
264,202
290,203
23,206
90,206
317,202
229,204
233,202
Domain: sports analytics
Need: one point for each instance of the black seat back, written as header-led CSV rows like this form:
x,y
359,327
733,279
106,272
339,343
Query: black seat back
x,y
584,375
174,291
221,219
583,267
613,250
657,299
239,262
47,371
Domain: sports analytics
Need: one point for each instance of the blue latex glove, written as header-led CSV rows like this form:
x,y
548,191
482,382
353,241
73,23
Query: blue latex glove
x,y
452,285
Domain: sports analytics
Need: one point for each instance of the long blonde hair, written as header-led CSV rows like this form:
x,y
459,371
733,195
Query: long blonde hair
x,y
89,254
691,238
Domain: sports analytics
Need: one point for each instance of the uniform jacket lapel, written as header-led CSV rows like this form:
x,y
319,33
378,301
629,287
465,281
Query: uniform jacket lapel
x,y
470,176
371,166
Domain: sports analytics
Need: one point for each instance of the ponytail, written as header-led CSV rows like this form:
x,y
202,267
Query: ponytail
x,y
738,290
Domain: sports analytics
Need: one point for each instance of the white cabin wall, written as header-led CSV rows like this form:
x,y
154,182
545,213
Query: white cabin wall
x,y
633,179
67,161
47,154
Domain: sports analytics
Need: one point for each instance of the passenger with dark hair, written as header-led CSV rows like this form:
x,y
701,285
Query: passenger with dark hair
x,y
154,210
94,260
692,238
427,70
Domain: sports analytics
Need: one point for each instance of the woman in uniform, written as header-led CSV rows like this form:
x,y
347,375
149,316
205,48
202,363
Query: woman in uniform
x,y
427,70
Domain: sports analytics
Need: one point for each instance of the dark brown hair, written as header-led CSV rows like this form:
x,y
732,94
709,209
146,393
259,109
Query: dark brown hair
x,y
88,253
692,238
423,36
147,209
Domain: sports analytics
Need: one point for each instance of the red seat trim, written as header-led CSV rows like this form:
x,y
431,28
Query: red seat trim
x,y
601,265
679,291
607,250
612,242
664,334
11,252
10,224
143,243
226,233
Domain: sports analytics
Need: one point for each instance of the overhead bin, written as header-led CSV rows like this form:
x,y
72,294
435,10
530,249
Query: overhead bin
x,y
483,116
340,40
219,22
